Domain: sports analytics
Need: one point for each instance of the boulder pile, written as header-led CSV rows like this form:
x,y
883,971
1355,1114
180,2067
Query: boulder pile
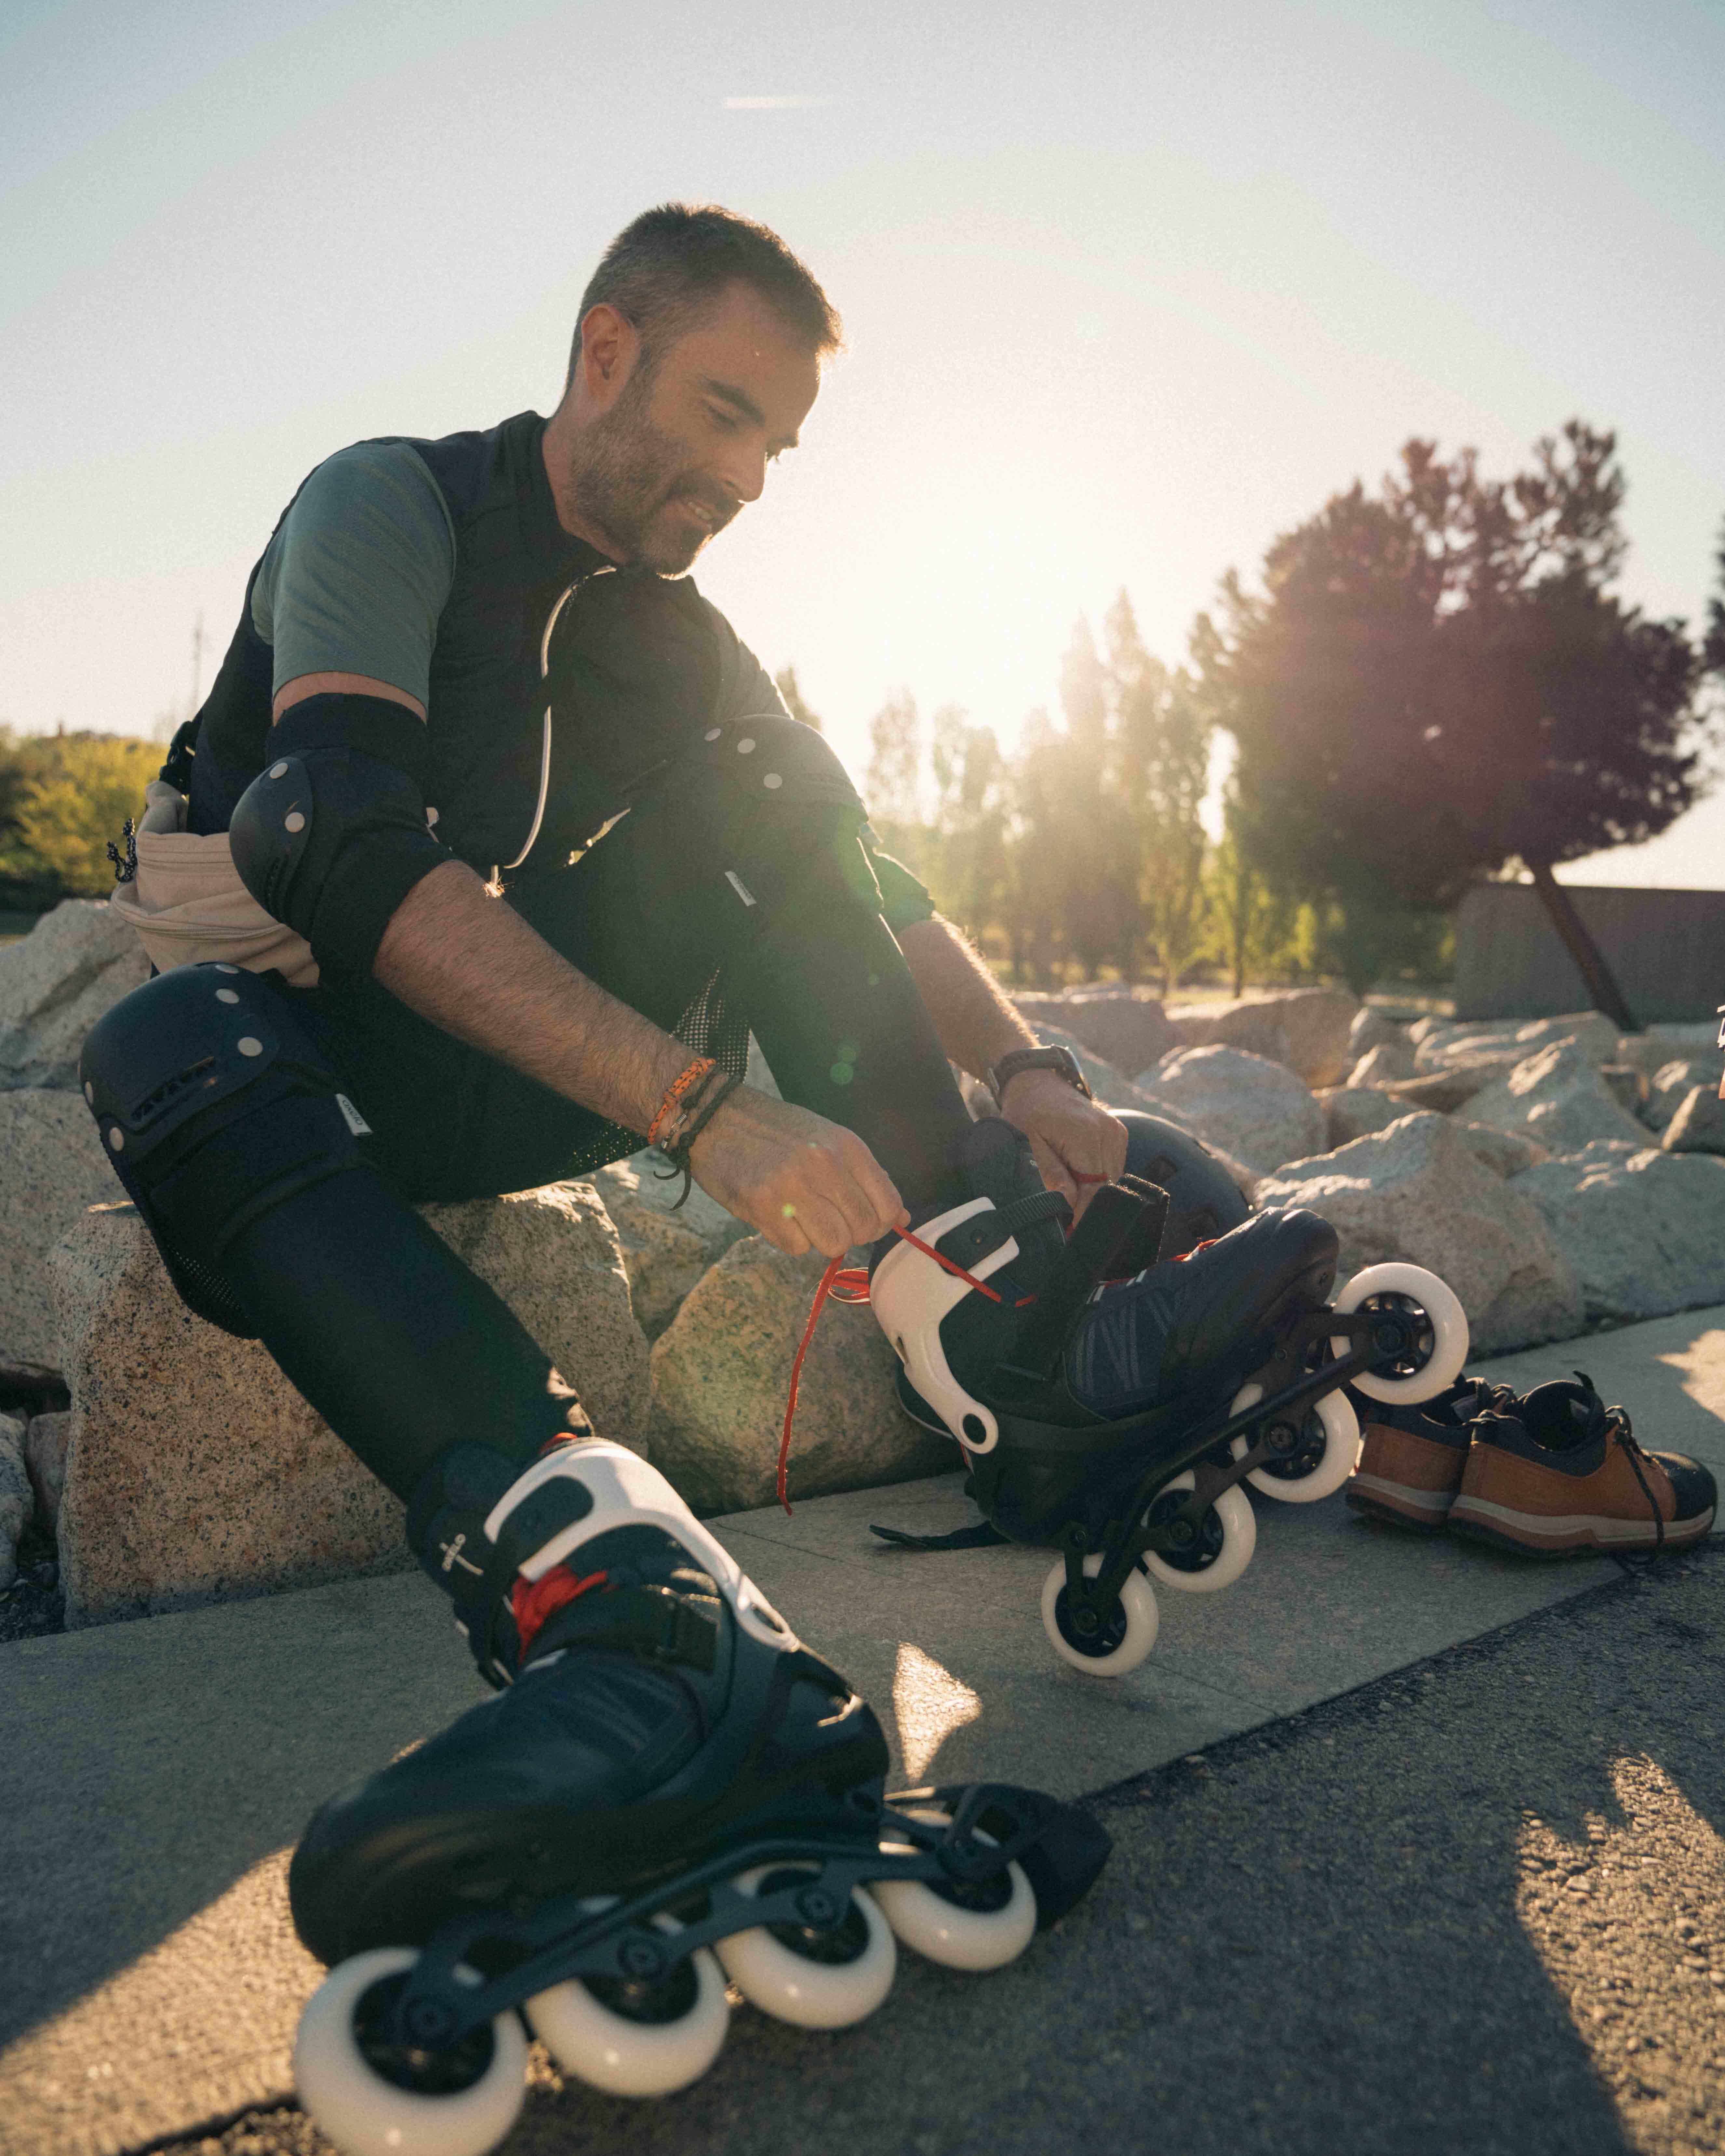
x,y
1556,1174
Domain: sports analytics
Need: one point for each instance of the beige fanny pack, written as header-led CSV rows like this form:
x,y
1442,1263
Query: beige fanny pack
x,y
188,906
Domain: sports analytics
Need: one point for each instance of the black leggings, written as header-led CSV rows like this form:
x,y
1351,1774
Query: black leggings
x,y
703,900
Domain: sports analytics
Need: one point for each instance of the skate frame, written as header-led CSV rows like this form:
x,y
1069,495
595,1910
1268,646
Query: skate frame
x,y
1380,1338
444,1998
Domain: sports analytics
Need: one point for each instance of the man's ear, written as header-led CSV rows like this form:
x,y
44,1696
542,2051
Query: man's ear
x,y
610,347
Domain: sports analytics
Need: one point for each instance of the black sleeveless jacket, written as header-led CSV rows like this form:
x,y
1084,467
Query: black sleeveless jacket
x,y
506,783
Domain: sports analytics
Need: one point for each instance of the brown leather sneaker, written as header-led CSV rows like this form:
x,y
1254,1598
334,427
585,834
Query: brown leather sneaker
x,y
1411,1458
1563,1473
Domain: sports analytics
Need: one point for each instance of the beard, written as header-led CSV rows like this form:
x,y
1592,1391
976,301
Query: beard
x,y
629,481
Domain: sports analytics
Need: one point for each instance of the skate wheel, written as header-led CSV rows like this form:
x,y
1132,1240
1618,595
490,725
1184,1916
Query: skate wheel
x,y
1322,1468
637,2039
1123,1641
376,2100
818,1979
1224,1548
962,1924
1442,1350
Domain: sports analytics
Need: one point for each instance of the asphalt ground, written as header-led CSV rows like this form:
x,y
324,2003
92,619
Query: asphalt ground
x,y
1478,1905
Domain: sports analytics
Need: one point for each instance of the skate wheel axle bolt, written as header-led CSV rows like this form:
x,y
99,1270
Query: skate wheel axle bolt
x,y
428,2023
641,1958
816,1907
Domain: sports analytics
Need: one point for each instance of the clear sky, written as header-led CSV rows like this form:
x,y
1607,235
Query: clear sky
x,y
1129,289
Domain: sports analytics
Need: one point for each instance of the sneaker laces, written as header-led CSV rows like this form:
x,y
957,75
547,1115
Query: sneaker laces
x,y
1617,1419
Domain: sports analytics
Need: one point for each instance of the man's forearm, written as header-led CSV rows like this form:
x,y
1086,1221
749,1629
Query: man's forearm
x,y
976,1022
471,965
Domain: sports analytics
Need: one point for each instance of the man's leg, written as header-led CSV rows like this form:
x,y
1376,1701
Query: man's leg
x,y
745,860
219,1097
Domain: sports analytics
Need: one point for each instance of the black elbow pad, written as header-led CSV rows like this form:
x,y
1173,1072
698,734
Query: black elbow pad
x,y
331,835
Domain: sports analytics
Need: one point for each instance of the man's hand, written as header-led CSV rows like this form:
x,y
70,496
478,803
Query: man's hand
x,y
1077,1144
804,1182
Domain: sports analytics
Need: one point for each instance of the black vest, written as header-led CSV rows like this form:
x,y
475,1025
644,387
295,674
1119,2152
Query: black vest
x,y
493,757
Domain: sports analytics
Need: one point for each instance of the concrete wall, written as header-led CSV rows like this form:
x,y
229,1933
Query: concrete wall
x,y
1665,947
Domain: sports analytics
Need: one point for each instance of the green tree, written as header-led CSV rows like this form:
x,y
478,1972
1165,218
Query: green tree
x,y
77,793
1435,684
1161,756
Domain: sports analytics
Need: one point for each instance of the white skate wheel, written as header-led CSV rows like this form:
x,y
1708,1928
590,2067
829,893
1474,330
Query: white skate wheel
x,y
629,2055
1123,1645
1223,1565
1445,1348
954,1936
1336,1463
366,2115
794,1986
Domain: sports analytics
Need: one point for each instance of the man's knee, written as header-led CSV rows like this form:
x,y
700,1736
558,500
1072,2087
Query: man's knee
x,y
214,1103
766,800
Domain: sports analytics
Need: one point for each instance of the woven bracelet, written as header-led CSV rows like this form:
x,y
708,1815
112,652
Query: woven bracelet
x,y
675,1105
711,1100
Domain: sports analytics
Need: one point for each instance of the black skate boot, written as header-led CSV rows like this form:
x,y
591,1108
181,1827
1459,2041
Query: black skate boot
x,y
666,1773
1109,1402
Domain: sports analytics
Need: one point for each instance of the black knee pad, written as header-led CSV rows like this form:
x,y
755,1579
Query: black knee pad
x,y
214,1104
1203,1200
759,800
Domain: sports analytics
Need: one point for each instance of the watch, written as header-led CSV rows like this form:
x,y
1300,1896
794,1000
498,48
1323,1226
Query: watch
x,y
1061,1060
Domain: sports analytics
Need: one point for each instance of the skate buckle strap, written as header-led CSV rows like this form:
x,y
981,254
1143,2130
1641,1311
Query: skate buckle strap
x,y
849,1284
654,1621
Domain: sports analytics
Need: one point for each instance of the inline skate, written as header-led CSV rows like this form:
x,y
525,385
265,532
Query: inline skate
x,y
1110,1400
668,1790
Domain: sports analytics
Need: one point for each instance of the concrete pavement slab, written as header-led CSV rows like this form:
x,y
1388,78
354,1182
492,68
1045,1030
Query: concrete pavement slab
x,y
153,1774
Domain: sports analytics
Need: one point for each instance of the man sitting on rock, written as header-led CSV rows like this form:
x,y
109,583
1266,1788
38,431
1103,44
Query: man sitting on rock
x,y
555,848
525,845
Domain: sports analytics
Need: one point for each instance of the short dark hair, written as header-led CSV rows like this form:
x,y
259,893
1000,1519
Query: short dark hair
x,y
664,269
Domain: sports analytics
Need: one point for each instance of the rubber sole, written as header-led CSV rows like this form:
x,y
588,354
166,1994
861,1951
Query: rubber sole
x,y
1421,1512
1533,1534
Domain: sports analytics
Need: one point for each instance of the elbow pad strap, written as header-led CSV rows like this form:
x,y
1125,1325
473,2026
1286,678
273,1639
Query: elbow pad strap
x,y
330,836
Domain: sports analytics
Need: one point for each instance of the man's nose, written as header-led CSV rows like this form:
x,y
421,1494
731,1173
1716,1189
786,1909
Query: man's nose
x,y
745,474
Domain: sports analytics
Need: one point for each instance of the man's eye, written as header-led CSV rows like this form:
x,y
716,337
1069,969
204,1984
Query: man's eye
x,y
726,420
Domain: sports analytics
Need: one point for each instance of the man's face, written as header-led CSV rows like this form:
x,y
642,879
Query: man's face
x,y
682,444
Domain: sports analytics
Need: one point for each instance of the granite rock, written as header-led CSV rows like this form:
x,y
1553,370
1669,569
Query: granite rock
x,y
1416,1192
1255,1109
1307,1030
666,1248
16,1501
1445,1090
1671,1085
1699,1124
1593,1035
1383,1064
722,1373
194,1472
46,1439
1370,1029
1627,1084
55,982
55,1168
1557,1098
1351,1111
1644,1229
1505,1152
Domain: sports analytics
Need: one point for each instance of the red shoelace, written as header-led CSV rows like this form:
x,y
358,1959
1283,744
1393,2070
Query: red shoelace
x,y
850,1284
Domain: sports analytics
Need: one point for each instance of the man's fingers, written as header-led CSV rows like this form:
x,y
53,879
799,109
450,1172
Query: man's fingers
x,y
1055,1173
881,1192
